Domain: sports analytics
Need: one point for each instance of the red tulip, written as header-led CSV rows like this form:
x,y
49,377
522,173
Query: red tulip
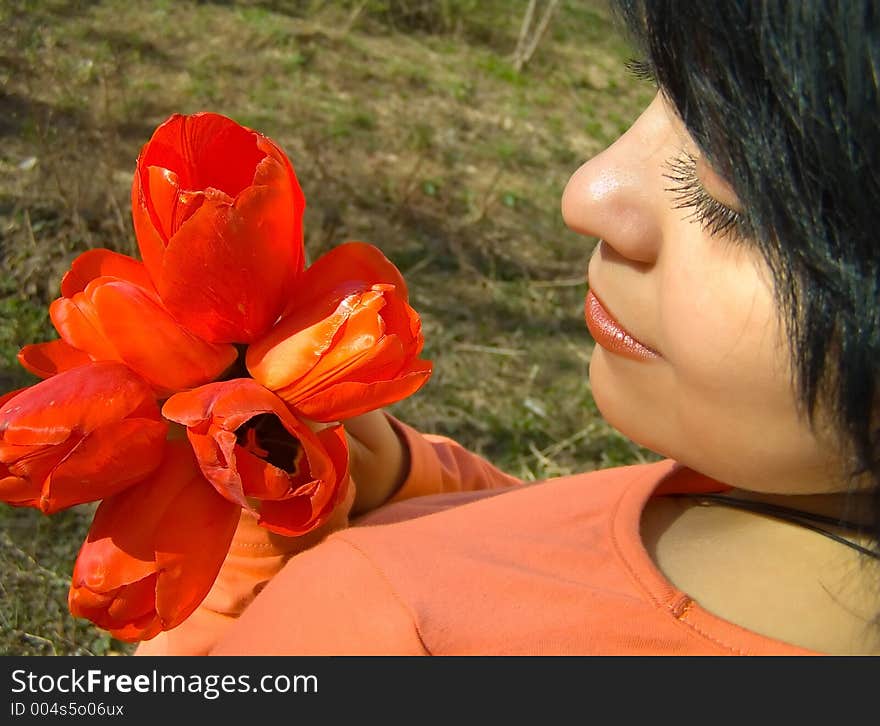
x,y
80,436
262,457
153,551
218,217
47,359
349,343
109,311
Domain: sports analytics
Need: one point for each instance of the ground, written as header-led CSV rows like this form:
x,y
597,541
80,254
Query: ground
x,y
408,127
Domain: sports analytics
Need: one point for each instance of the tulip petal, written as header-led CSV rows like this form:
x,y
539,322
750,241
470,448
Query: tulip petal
x,y
215,453
144,628
16,488
18,491
245,258
112,610
194,151
87,599
295,345
298,515
107,321
400,318
191,545
351,398
391,358
119,549
224,155
342,365
105,462
78,325
10,395
214,414
79,436
153,551
29,468
358,341
223,400
171,205
47,359
347,268
97,263
295,359
370,340
327,377
48,412
205,150
262,480
134,601
170,357
376,344
150,243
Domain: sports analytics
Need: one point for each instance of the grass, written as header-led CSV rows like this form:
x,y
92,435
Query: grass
x,y
408,127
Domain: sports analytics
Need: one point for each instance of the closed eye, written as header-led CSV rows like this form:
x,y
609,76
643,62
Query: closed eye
x,y
689,193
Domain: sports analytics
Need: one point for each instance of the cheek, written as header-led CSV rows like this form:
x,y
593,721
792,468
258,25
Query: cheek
x,y
722,399
720,334
733,399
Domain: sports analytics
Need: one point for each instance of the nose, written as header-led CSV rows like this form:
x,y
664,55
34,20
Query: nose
x,y
618,195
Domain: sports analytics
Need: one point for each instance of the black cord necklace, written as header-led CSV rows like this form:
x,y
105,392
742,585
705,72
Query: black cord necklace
x,y
808,520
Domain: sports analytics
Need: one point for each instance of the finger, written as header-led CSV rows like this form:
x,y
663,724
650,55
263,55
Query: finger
x,y
318,425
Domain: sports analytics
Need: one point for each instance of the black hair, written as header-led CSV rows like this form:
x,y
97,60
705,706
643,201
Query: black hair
x,y
782,99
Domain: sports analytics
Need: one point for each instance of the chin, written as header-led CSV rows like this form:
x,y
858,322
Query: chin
x,y
618,387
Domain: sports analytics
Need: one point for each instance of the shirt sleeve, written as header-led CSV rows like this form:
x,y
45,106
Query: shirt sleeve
x,y
256,557
439,465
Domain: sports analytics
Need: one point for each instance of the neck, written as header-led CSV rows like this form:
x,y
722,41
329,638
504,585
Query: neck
x,y
853,507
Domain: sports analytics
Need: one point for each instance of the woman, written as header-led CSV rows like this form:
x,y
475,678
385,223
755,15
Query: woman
x,y
734,300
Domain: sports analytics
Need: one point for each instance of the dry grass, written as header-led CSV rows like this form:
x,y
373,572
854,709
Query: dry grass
x,y
408,128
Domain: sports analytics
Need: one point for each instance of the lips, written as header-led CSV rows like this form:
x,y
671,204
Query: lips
x,y
611,335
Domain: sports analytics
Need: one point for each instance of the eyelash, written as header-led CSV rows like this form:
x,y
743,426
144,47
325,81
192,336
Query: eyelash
x,y
718,219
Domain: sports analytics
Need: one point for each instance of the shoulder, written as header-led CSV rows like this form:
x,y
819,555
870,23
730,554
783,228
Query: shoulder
x,y
328,600
536,503
520,570
531,569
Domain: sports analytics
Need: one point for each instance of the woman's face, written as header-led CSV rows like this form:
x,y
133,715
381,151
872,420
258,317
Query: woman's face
x,y
711,385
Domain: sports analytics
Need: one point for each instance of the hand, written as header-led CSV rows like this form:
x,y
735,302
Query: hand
x,y
378,459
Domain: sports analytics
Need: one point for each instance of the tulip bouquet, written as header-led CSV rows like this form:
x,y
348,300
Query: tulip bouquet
x,y
208,378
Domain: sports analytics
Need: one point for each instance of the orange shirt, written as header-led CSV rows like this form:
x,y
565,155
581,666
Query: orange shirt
x,y
488,565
